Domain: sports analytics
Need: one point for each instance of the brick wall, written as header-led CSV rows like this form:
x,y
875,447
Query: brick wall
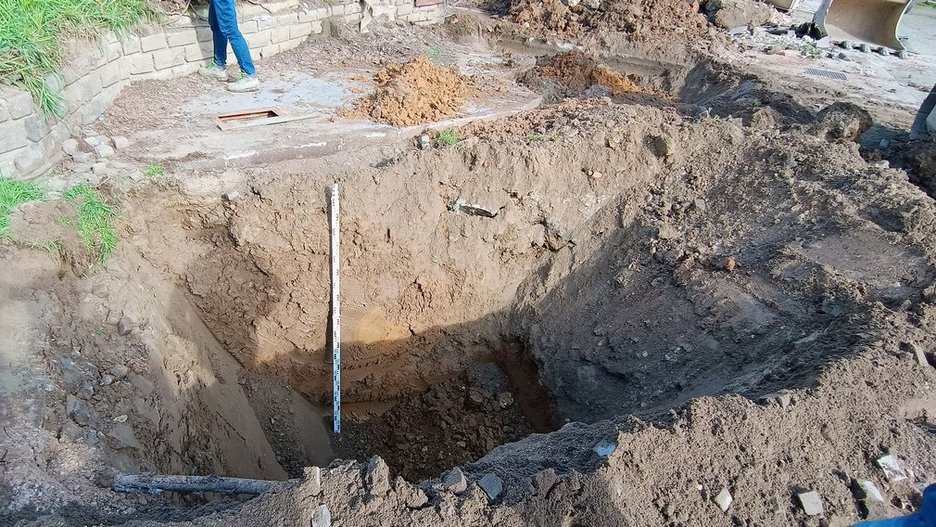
x,y
30,143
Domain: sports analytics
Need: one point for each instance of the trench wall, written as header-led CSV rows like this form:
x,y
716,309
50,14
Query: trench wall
x,y
97,70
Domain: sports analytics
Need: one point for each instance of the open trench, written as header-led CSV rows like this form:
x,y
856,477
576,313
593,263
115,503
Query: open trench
x,y
636,260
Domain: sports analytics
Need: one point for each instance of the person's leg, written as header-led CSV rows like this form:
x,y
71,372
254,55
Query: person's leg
x,y
218,35
216,69
227,21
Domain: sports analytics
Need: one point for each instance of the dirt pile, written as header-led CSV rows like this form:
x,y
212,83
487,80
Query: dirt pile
x,y
579,72
415,92
729,14
647,21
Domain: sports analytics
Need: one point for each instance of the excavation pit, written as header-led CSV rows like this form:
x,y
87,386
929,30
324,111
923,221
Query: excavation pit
x,y
625,273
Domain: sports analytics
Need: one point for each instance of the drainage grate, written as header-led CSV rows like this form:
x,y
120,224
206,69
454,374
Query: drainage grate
x,y
826,73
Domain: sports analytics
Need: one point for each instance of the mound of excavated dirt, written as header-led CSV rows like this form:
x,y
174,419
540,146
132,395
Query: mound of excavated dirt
x,y
415,92
579,72
648,21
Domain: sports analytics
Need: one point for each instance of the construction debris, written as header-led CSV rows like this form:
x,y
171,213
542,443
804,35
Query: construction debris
x,y
724,499
893,468
811,503
492,485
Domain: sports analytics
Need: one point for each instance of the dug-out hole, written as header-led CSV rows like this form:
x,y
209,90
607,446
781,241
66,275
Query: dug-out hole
x,y
456,421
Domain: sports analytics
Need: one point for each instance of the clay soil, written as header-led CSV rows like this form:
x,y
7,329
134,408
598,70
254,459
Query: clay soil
x,y
415,92
602,312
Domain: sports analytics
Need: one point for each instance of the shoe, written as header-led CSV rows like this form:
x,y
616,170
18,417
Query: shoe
x,y
213,71
244,83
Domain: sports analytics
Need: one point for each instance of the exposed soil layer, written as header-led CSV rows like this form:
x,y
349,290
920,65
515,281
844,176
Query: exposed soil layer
x,y
415,92
653,22
644,259
579,72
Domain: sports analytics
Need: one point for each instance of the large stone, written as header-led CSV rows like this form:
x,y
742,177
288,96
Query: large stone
x,y
724,500
153,42
811,503
842,121
605,448
12,136
893,468
70,432
313,480
36,127
321,517
544,480
19,103
491,485
104,150
455,481
871,500
110,74
377,476
77,410
167,58
142,63
124,326
181,37
120,142
29,160
733,13
124,437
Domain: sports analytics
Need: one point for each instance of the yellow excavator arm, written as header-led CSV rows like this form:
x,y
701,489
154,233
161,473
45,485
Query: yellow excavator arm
x,y
860,22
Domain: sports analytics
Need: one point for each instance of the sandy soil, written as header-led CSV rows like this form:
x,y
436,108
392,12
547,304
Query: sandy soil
x,y
606,311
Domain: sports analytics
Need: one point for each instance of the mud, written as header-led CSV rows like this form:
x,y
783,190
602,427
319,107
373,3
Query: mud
x,y
699,286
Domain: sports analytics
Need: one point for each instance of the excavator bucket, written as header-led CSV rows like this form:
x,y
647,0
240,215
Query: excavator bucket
x,y
871,22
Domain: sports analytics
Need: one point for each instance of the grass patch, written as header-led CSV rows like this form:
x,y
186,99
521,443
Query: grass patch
x,y
448,137
434,53
155,170
95,221
32,31
13,193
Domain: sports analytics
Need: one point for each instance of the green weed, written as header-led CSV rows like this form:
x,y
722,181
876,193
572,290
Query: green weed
x,y
155,170
448,137
434,53
531,137
95,221
32,32
13,193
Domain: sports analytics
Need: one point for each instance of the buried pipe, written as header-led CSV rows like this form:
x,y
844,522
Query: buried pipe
x,y
156,483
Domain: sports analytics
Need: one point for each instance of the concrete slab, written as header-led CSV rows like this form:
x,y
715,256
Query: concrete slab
x,y
192,140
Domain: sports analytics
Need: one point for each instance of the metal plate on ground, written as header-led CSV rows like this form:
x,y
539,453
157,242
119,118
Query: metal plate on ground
x,y
256,117
826,73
